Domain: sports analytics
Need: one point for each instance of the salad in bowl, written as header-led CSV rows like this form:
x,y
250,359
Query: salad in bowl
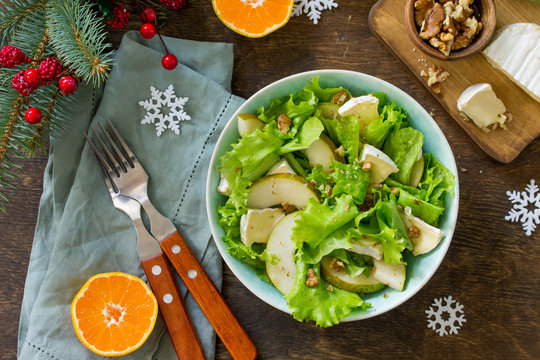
x,y
330,201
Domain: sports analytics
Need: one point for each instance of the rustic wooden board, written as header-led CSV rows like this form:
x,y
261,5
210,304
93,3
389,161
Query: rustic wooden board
x,y
386,20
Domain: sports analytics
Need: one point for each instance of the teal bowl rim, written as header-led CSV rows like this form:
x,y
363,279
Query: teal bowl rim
x,y
268,293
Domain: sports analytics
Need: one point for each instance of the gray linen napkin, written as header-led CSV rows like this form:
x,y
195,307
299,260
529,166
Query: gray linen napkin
x,y
79,233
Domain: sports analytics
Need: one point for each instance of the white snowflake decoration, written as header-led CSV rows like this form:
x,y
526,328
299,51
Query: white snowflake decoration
x,y
522,208
156,104
437,312
312,8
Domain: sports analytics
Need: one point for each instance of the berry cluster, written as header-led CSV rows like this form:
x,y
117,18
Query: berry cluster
x,y
26,81
120,17
174,4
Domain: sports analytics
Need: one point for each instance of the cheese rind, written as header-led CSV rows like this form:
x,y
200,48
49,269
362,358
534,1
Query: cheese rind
x,y
482,106
515,50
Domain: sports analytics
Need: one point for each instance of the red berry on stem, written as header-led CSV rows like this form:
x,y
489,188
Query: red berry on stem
x,y
174,4
67,84
148,15
32,115
169,61
32,76
148,31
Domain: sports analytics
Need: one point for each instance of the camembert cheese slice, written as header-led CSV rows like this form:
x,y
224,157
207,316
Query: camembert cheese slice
x,y
482,106
515,49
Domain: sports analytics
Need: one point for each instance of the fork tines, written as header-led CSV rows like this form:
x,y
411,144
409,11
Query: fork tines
x,y
114,155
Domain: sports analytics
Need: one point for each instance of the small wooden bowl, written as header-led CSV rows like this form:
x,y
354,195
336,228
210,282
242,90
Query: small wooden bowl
x,y
488,19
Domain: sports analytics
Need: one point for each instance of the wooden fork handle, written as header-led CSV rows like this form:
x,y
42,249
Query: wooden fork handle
x,y
174,312
203,290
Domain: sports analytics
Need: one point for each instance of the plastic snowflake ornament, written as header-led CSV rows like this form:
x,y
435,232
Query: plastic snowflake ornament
x,y
165,110
525,208
442,317
312,8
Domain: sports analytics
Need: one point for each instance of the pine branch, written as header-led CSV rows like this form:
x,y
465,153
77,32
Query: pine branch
x,y
75,29
13,12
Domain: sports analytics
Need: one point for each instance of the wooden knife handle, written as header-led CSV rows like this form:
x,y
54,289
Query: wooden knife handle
x,y
203,290
174,312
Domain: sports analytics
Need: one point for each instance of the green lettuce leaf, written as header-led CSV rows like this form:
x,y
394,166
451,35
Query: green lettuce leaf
x,y
323,304
392,117
404,146
426,211
309,132
324,95
384,223
437,180
339,239
356,264
317,221
350,179
347,130
254,154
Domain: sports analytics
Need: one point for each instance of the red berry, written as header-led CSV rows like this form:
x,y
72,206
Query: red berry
x,y
169,62
49,69
32,115
174,4
32,76
148,15
148,31
67,84
21,85
120,17
10,56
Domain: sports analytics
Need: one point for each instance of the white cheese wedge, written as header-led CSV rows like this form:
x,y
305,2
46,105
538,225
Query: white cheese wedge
x,y
256,225
223,187
429,237
515,50
381,164
362,106
482,106
281,167
248,123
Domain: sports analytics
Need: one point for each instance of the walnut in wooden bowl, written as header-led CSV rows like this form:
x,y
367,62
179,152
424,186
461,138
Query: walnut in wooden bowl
x,y
450,29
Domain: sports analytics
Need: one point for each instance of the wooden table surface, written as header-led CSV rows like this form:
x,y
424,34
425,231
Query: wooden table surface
x,y
491,267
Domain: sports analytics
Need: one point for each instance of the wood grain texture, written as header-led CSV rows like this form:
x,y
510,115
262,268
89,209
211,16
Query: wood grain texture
x,y
387,22
171,306
491,267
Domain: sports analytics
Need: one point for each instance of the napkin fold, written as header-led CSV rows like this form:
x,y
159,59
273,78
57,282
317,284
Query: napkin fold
x,y
79,233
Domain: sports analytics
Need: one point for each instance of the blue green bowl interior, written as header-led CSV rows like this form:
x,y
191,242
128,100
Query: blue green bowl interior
x,y
420,268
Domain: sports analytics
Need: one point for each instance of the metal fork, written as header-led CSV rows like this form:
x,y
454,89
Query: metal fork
x,y
156,267
130,179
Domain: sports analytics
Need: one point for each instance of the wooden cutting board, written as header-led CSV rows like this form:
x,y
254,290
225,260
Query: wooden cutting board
x,y
386,20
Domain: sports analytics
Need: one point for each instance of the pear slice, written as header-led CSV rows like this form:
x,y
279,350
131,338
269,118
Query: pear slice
x,y
428,236
417,171
256,225
381,164
367,246
365,108
329,110
281,246
248,123
322,152
359,284
281,167
277,189
391,275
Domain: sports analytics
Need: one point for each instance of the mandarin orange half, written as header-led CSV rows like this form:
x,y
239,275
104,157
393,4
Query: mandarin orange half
x,y
253,18
114,313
